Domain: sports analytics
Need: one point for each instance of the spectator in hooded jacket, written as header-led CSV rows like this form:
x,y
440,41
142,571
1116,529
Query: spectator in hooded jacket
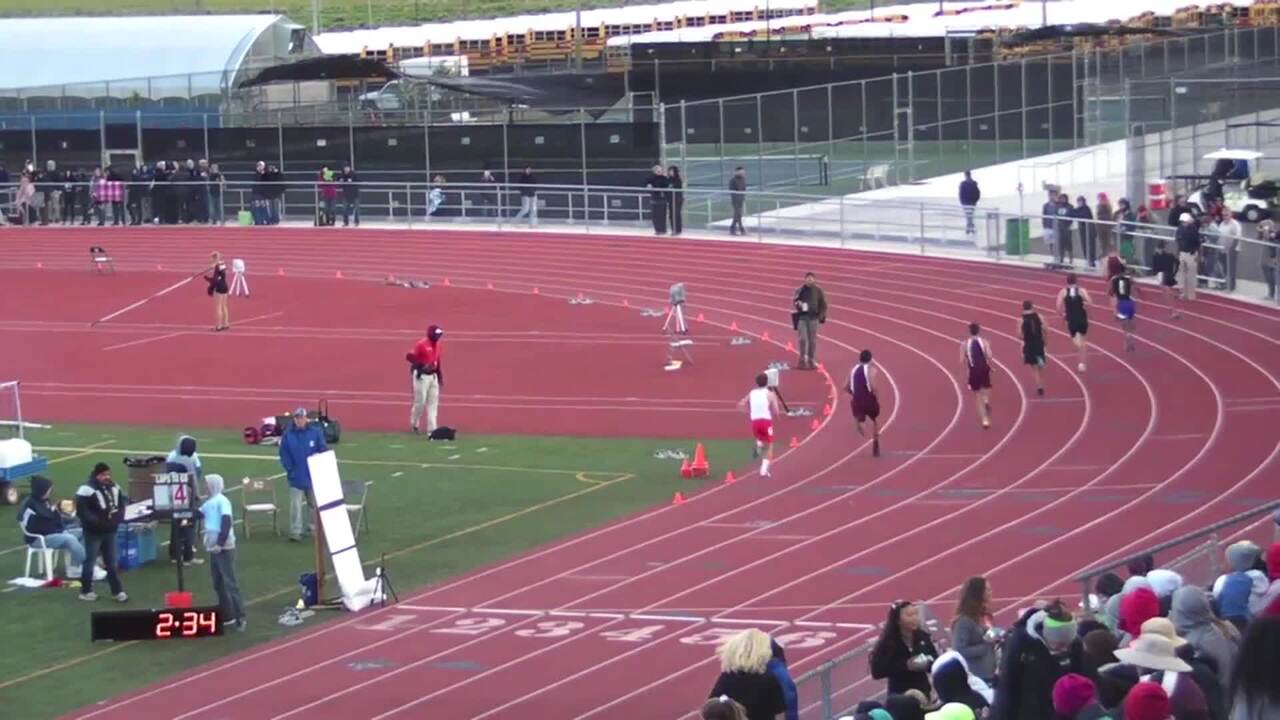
x,y
1216,639
299,442
970,630
1099,650
1203,669
220,543
100,507
1156,658
1272,593
904,652
904,707
39,517
1242,584
1255,694
1147,701
953,683
778,668
1042,648
182,534
1075,698
745,677
1137,607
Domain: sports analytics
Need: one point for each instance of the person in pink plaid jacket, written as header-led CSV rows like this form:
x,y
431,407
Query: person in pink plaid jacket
x,y
107,188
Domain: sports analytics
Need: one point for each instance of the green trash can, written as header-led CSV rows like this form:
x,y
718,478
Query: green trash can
x,y
1017,236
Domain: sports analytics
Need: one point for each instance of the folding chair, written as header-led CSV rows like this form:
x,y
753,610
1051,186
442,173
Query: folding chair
x,y
259,496
350,492
100,260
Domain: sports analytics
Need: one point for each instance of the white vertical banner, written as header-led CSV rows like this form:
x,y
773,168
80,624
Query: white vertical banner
x,y
358,592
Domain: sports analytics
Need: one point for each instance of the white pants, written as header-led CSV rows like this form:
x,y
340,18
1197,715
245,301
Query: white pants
x,y
426,396
1188,274
528,208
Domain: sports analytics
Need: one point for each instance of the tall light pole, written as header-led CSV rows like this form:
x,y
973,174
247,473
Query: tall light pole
x,y
315,17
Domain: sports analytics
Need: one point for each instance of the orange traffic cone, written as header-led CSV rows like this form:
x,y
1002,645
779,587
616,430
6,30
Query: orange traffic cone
x,y
826,410
765,336
159,267
535,291
280,272
822,368
790,347
338,275
581,297
446,282
701,318
686,471
795,442
39,266
489,285
734,326
729,478
677,499
815,424
700,466
626,302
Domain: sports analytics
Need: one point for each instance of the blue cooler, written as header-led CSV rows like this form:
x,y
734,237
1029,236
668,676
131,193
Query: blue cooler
x,y
310,588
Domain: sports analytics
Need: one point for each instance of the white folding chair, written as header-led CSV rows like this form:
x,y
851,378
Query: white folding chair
x,y
100,260
45,557
356,497
259,496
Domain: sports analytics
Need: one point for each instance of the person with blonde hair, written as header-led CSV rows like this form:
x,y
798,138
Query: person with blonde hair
x,y
744,675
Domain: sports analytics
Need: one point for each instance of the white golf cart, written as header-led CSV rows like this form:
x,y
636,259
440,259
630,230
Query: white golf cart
x,y
1236,180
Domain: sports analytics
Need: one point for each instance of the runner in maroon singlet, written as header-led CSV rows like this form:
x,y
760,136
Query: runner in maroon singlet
x,y
975,353
866,406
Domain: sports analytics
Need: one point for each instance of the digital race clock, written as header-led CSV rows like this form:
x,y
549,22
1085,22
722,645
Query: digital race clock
x,y
162,624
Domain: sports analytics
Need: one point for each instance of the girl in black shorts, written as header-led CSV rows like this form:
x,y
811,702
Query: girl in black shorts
x,y
1031,327
218,290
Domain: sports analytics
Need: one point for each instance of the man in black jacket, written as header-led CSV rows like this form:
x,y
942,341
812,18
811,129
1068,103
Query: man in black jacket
x,y
40,519
969,196
658,185
1189,242
808,310
1042,647
349,183
100,507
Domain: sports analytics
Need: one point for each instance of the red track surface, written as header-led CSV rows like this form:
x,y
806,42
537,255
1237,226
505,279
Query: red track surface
x,y
1143,446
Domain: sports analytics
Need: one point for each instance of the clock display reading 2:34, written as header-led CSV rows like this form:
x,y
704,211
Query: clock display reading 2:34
x,y
186,623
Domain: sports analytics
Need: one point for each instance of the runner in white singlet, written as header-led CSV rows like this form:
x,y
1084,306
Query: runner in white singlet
x,y
762,404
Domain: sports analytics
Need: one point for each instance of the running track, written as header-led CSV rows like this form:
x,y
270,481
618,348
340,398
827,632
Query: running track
x,y
622,620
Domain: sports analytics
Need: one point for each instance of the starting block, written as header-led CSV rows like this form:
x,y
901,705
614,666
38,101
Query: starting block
x,y
100,260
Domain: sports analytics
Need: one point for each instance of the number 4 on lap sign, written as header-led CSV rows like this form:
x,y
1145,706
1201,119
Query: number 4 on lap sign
x,y
172,494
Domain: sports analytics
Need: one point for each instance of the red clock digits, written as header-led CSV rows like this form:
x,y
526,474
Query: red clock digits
x,y
189,623
164,625
209,620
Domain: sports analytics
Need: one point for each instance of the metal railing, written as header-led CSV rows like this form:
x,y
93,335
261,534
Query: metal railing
x,y
1201,550
1247,266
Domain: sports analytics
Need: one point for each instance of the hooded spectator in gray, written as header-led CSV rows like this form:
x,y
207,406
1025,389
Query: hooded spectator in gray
x,y
1215,639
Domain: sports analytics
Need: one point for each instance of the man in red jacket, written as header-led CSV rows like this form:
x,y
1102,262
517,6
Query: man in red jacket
x,y
427,378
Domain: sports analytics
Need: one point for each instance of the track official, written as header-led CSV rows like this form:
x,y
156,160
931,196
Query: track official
x,y
424,361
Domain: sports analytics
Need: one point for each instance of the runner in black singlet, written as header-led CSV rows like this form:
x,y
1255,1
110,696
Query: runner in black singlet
x,y
1123,289
1073,302
1031,327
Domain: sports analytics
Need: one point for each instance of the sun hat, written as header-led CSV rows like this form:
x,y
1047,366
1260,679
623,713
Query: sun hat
x,y
1153,652
1163,627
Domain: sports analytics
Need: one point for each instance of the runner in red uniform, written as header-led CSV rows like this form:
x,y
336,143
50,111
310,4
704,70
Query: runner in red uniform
x,y
866,406
975,353
763,405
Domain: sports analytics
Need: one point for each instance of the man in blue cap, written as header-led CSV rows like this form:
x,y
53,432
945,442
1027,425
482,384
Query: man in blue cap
x,y
300,442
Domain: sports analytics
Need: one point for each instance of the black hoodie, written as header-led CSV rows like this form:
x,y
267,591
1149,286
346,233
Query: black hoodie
x,y
100,506
1028,671
37,516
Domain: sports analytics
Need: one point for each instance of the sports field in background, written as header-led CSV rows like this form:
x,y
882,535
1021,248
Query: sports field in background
x,y
346,13
435,509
